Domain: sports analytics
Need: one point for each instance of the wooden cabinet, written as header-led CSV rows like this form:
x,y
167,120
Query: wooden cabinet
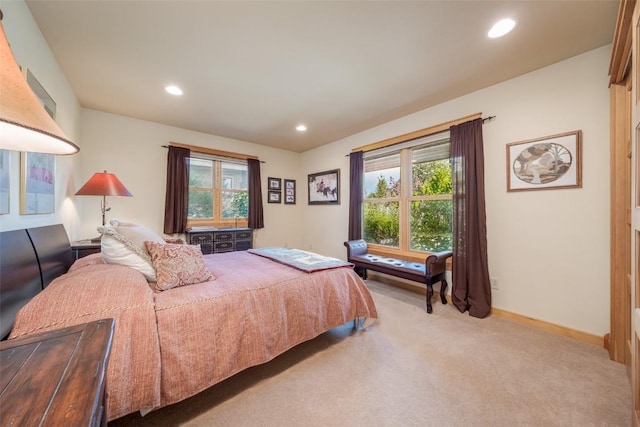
x,y
56,378
221,240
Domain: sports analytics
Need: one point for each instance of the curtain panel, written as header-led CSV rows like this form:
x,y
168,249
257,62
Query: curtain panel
x,y
177,194
256,217
356,177
471,288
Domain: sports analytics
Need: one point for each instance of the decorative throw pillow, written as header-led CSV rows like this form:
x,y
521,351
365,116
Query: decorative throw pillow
x,y
124,245
177,265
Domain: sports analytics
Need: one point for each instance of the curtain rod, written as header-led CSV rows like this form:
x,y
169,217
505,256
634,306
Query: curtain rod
x,y
213,151
486,119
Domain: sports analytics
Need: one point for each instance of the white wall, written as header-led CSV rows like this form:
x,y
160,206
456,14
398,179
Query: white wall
x,y
132,149
31,50
548,249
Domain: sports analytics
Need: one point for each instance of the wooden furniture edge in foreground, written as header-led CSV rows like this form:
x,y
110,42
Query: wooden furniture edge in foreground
x,y
56,377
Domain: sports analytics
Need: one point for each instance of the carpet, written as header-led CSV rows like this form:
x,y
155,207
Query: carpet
x,y
410,368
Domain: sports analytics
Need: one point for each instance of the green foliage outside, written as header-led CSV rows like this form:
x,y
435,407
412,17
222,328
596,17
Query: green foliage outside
x,y
236,205
430,219
200,204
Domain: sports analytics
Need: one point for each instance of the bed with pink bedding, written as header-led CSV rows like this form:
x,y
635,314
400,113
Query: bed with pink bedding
x,y
173,344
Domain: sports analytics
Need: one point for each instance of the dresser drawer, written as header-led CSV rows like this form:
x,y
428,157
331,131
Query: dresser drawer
x,y
206,248
226,236
200,238
221,240
244,235
223,247
243,245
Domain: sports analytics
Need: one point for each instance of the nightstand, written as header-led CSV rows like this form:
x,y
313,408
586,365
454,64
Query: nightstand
x,y
56,378
82,248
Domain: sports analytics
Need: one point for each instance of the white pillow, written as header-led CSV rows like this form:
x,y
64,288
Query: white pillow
x,y
124,245
138,234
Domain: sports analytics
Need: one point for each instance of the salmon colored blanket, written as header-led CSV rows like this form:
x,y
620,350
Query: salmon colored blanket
x,y
171,345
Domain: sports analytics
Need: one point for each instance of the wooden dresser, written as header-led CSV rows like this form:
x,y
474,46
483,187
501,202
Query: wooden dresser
x,y
56,378
221,240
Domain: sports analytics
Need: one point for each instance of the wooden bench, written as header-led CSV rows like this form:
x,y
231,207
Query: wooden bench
x,y
432,271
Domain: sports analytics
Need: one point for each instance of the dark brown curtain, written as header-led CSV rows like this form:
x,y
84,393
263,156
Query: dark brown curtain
x,y
356,176
256,218
471,289
177,195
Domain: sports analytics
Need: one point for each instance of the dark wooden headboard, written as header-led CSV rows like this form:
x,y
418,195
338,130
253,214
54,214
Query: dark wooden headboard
x,y
29,260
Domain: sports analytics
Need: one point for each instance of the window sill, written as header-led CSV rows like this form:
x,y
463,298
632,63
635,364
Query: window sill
x,y
231,223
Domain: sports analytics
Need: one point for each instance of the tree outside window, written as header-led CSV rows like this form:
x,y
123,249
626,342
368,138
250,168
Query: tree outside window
x,y
424,199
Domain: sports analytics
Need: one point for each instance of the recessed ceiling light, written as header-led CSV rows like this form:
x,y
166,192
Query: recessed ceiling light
x,y
501,28
173,90
301,128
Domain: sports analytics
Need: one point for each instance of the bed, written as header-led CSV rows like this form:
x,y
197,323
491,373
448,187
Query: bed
x,y
173,344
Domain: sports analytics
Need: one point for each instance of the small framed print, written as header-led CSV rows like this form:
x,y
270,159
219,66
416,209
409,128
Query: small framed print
x,y
275,197
289,191
274,184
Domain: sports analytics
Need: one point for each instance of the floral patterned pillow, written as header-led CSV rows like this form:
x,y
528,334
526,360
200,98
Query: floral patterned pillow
x,y
177,265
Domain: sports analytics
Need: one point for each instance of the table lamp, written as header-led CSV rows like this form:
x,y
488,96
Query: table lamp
x,y
103,184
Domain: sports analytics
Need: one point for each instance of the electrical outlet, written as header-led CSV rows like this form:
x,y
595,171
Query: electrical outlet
x,y
494,284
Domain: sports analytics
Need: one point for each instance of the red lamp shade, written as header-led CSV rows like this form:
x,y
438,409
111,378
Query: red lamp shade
x,y
103,184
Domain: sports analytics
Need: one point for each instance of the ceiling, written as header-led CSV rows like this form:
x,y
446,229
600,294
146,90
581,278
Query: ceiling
x,y
254,70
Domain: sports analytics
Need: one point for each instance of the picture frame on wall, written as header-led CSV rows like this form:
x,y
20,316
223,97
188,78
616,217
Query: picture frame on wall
x,y
5,176
274,184
547,163
274,197
37,183
324,187
289,191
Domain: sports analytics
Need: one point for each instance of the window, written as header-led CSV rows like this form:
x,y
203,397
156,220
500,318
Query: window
x,y
408,196
218,191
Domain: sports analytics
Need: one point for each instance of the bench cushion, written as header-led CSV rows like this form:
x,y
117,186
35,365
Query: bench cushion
x,y
397,267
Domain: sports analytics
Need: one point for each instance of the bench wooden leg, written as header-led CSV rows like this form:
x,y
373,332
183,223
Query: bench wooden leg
x,y
443,291
362,272
443,294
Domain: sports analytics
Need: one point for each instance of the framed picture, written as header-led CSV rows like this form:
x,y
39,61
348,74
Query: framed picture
x,y
4,181
324,188
43,96
547,163
275,197
289,191
274,184
37,183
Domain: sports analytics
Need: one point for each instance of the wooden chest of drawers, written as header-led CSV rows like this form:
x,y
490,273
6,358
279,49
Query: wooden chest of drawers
x,y
221,240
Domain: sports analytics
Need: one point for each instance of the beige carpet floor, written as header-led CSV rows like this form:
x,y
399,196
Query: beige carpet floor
x,y
414,369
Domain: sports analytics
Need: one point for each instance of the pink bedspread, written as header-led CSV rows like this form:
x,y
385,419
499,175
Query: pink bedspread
x,y
98,292
173,344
